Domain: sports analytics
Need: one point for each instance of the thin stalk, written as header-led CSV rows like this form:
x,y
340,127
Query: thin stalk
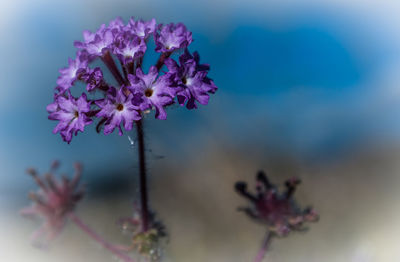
x,y
142,177
109,62
139,63
85,228
161,59
264,247
131,68
124,70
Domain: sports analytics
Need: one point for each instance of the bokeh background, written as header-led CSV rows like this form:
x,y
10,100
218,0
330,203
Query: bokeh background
x,y
307,88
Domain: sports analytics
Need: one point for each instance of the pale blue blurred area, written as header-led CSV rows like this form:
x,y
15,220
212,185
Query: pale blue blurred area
x,y
311,80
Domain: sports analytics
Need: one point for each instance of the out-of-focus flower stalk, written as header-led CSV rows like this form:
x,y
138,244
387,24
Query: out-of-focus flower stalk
x,y
55,202
113,249
263,250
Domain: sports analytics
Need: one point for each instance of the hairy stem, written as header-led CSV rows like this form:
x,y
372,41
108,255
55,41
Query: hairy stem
x,y
161,59
264,247
109,62
85,228
131,68
124,71
139,63
142,177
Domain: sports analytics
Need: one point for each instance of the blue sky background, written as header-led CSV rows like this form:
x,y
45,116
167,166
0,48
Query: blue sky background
x,y
308,78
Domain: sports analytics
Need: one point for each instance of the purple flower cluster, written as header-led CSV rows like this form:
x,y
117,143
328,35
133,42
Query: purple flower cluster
x,y
277,210
135,92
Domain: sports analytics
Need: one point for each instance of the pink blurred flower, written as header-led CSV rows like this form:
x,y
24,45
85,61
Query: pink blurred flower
x,y
53,202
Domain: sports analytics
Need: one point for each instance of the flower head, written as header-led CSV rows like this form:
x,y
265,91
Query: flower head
x,y
117,108
171,37
277,210
53,202
71,114
121,48
192,78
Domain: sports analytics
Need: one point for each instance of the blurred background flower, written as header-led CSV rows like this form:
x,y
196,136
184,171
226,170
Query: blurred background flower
x,y
307,88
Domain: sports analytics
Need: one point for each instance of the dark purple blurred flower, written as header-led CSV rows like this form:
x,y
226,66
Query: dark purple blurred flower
x,y
155,90
278,211
142,28
71,114
192,78
53,202
117,108
171,37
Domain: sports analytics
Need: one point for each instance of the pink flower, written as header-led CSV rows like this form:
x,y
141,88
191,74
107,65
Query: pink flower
x,y
53,202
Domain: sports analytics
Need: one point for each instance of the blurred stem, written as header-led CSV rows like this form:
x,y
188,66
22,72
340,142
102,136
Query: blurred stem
x,y
142,177
264,247
85,228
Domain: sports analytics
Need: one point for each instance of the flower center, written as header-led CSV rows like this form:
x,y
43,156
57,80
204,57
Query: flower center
x,y
148,92
187,81
120,107
76,114
129,53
